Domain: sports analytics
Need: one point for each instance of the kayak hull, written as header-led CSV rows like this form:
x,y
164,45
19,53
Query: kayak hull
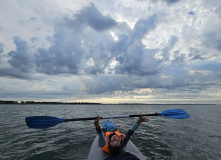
x,y
96,152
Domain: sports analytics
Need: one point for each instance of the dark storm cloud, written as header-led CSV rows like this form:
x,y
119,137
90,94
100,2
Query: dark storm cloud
x,y
143,26
76,42
95,19
130,51
65,51
21,57
57,59
72,38
82,44
21,61
14,73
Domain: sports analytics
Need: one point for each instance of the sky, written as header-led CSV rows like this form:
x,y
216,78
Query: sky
x,y
122,51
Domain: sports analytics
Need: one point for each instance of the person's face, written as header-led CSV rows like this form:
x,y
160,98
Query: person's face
x,y
115,141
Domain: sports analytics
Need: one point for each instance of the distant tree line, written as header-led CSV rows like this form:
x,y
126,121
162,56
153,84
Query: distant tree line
x,y
8,102
33,102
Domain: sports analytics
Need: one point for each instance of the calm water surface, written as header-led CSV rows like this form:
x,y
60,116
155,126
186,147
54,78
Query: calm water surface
x,y
196,138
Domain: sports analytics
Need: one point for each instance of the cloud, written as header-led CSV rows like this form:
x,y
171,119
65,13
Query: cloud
x,y
218,11
14,72
213,43
171,1
34,39
212,38
130,52
195,55
1,48
211,32
33,18
77,46
166,51
143,27
73,37
158,50
83,49
95,19
22,56
209,66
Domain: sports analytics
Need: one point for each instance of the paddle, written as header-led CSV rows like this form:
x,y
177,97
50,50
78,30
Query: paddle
x,y
40,122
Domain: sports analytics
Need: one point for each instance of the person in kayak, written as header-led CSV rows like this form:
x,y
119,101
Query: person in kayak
x,y
111,140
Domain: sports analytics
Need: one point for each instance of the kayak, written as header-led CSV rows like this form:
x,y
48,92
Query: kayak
x,y
96,152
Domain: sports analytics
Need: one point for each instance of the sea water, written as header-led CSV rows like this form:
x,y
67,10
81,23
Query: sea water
x,y
196,138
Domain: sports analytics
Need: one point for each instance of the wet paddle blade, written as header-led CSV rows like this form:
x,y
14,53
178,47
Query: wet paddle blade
x,y
40,122
176,114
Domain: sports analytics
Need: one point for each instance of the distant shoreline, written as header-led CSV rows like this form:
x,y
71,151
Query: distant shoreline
x,y
90,103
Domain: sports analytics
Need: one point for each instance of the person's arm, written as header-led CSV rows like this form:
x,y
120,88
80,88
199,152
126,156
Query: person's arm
x,y
100,133
132,129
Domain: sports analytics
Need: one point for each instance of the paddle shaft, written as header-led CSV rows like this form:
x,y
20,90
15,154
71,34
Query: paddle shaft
x,y
111,117
41,122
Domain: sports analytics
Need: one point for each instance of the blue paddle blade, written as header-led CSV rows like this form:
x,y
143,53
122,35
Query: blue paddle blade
x,y
176,114
40,122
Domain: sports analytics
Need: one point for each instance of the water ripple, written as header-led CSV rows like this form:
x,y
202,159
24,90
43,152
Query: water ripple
x,y
161,138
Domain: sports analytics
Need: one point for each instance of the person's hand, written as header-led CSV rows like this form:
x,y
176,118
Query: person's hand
x,y
142,119
96,122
